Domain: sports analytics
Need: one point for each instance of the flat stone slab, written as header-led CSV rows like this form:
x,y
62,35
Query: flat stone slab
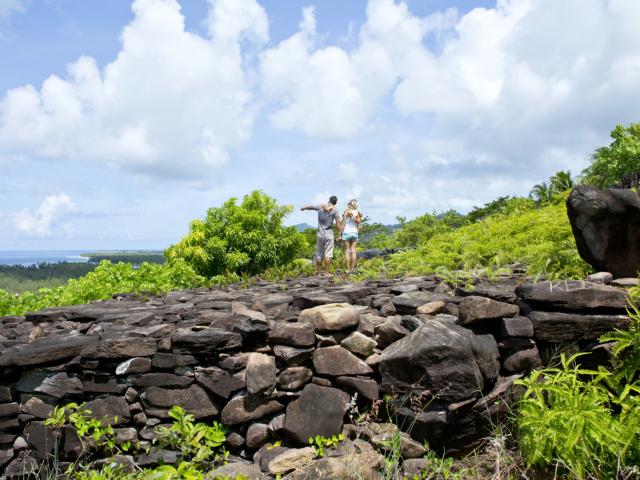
x,y
567,327
573,295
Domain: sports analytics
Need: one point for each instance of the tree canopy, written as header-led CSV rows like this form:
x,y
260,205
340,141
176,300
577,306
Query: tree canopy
x,y
243,239
621,157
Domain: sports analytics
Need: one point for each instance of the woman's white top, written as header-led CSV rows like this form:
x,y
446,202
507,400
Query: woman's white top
x,y
350,225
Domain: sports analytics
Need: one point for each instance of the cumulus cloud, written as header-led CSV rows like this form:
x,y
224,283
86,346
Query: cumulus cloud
x,y
489,102
46,218
171,103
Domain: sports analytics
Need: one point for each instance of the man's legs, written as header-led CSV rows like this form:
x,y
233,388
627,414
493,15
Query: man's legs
x,y
319,254
327,264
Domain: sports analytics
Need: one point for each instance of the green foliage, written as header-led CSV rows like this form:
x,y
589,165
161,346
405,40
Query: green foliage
x,y
199,443
545,192
107,279
243,239
135,257
496,206
585,421
20,278
440,467
621,157
538,238
420,230
319,443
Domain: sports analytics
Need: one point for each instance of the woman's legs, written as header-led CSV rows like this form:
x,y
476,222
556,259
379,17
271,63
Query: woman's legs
x,y
354,255
347,255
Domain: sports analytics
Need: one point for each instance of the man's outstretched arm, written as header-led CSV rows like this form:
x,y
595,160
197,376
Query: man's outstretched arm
x,y
310,207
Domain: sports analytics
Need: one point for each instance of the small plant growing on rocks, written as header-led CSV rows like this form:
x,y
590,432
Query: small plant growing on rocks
x,y
319,443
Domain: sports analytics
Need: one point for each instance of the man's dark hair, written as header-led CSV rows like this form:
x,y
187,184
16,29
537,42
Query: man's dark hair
x,y
333,200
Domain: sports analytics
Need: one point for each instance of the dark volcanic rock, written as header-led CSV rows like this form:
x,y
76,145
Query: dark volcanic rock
x,y
193,399
567,327
318,411
205,340
166,380
606,226
218,381
111,410
260,374
515,327
60,385
121,348
241,409
292,356
337,361
573,295
504,291
296,335
365,388
443,358
46,350
294,378
475,309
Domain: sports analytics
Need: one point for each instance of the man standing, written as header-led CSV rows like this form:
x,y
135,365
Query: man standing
x,y
327,214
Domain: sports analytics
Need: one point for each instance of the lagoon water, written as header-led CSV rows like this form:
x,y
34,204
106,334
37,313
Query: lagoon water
x,y
31,257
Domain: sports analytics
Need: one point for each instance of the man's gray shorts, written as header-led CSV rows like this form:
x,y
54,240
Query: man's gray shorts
x,y
324,247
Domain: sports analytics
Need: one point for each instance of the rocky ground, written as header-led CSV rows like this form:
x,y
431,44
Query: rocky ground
x,y
290,360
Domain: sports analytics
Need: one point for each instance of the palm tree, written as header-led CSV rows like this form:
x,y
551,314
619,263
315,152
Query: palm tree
x,y
561,181
541,193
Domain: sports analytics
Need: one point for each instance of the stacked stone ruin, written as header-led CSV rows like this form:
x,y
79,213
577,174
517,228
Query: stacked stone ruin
x,y
290,360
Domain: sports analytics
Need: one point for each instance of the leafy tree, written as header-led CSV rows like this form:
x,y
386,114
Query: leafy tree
x,y
541,193
621,157
561,181
242,239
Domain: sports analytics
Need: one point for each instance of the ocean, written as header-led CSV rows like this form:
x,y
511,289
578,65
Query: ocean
x,y
26,257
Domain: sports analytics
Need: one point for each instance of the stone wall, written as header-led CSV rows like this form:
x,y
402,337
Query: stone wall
x,y
288,360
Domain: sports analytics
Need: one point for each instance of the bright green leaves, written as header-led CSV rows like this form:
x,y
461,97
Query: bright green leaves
x,y
239,239
621,157
586,421
107,279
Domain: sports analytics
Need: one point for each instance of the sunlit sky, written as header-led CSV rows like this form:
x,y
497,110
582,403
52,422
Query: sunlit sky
x,y
122,121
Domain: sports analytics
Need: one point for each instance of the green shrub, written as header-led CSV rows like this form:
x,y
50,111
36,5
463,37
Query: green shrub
x,y
106,280
201,447
621,157
583,421
538,238
242,239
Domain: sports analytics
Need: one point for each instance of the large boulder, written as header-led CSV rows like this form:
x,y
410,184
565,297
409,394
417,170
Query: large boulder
x,y
441,358
606,226
318,411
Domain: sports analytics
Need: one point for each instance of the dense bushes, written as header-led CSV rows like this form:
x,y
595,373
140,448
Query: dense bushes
x,y
20,278
242,239
538,238
102,283
586,422
621,157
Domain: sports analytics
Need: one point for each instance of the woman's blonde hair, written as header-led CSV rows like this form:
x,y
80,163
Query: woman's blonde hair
x,y
353,204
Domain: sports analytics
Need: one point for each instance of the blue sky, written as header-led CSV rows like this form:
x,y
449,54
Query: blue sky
x,y
121,121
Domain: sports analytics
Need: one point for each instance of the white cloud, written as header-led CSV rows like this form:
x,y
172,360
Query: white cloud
x,y
42,222
9,7
171,103
503,84
315,89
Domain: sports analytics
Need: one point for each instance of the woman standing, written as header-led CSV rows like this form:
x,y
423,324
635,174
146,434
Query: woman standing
x,y
351,219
